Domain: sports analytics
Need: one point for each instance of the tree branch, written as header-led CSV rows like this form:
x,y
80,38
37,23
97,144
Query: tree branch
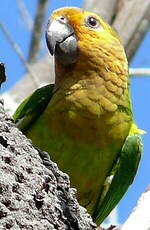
x,y
138,36
130,14
37,30
132,21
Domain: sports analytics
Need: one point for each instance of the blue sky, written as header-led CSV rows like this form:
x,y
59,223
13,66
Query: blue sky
x,y
10,16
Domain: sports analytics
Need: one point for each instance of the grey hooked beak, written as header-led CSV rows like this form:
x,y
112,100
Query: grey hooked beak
x,y
61,41
57,32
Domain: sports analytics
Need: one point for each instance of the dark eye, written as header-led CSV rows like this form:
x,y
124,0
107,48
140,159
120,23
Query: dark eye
x,y
62,18
92,22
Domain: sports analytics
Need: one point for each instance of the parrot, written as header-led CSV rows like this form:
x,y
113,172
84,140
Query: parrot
x,y
85,120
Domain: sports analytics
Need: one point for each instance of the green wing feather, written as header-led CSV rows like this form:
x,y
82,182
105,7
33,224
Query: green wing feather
x,y
123,177
32,107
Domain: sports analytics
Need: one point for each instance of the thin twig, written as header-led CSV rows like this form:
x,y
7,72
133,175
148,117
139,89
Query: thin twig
x,y
25,14
37,30
139,72
19,53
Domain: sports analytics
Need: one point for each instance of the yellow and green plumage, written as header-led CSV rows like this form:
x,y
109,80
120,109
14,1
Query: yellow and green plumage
x,y
85,119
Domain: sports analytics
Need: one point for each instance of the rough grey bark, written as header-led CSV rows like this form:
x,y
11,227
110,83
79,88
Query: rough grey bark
x,y
33,196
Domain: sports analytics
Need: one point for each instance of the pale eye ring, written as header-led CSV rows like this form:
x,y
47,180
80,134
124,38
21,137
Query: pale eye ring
x,y
62,19
92,22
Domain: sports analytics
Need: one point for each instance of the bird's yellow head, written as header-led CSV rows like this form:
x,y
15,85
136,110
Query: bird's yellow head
x,y
72,28
79,39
